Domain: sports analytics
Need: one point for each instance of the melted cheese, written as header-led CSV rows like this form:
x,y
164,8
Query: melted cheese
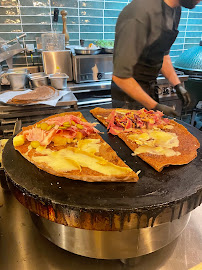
x,y
90,145
70,158
156,142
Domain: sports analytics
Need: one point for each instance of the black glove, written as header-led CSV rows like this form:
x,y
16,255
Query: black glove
x,y
166,110
183,94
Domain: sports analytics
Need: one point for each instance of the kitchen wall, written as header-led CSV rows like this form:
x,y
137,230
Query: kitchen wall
x,y
89,20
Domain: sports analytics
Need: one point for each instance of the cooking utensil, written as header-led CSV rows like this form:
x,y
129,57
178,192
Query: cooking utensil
x,y
38,79
87,51
59,80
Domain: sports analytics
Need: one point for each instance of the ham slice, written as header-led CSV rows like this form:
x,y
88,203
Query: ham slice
x,y
37,134
44,137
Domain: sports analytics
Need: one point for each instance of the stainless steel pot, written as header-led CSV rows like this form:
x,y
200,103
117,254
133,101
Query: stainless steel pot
x,y
38,79
59,80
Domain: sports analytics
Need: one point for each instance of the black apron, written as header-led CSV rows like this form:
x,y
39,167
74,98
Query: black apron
x,y
148,67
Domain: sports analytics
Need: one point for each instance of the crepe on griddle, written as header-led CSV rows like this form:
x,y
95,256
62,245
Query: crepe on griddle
x,y
67,145
39,94
185,152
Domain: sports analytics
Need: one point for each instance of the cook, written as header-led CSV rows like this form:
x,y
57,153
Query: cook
x,y
145,32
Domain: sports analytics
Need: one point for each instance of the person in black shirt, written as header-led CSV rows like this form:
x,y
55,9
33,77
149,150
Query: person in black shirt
x,y
145,32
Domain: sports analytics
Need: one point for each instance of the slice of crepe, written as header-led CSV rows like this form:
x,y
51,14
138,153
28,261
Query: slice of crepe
x,y
158,141
39,94
67,145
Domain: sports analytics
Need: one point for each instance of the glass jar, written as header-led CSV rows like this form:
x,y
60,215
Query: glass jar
x,y
53,42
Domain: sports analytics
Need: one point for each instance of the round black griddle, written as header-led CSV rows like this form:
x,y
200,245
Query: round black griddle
x,y
152,194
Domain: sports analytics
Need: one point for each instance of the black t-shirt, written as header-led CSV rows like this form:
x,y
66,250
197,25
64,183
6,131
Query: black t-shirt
x,y
138,26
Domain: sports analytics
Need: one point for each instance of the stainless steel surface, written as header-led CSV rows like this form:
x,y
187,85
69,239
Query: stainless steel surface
x,y
111,244
162,80
24,248
58,61
98,101
89,68
86,51
59,80
92,93
90,86
38,79
17,80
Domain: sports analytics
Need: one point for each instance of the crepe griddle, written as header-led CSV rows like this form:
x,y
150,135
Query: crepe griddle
x,y
157,197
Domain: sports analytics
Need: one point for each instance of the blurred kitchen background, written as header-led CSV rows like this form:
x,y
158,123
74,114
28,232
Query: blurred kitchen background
x,y
88,20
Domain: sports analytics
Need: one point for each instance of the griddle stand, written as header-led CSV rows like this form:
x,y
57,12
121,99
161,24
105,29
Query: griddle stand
x,y
111,244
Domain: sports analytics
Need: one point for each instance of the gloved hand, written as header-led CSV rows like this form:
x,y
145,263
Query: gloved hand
x,y
183,94
165,109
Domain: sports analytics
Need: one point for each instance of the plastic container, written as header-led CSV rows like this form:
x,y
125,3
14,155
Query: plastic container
x,y
53,42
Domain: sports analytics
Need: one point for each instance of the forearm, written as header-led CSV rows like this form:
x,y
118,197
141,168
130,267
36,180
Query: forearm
x,y
168,71
132,88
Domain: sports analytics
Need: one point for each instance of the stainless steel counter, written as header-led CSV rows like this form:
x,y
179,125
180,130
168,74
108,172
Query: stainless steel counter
x,y
23,247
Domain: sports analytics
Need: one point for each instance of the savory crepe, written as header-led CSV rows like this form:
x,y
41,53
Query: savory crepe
x,y
67,145
157,140
39,94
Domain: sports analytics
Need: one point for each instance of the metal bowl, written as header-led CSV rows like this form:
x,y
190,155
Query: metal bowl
x,y
87,51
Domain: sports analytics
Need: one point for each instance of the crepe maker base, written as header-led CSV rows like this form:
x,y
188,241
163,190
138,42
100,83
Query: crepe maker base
x,y
111,244
155,199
